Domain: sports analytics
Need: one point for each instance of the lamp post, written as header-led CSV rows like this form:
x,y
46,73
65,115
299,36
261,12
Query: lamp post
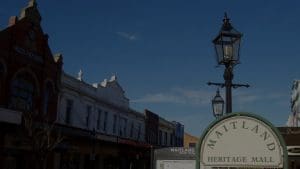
x,y
227,47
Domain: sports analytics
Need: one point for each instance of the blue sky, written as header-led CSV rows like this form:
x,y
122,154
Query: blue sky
x,y
163,56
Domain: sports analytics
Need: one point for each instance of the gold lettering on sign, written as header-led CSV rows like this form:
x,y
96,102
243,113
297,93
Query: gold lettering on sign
x,y
234,125
212,144
225,128
255,129
218,134
271,146
244,125
265,135
262,160
239,159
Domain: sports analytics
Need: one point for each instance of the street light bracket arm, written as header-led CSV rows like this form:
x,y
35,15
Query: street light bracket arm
x,y
240,85
216,84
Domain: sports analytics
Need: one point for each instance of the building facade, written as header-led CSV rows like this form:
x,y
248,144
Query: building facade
x,y
179,134
102,109
294,117
190,141
30,73
151,124
166,133
161,132
29,83
291,137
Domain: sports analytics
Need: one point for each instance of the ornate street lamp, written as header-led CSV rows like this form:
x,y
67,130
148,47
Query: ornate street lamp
x,y
227,46
217,105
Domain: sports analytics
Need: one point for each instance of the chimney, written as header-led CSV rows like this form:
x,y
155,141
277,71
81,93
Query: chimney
x,y
12,20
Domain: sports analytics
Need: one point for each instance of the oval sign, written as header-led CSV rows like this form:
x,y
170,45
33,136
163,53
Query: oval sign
x,y
242,140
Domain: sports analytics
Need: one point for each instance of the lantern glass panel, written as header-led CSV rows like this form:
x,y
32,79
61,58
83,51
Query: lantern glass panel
x,y
218,105
218,109
227,45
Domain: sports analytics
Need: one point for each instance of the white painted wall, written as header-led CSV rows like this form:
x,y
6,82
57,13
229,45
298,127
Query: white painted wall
x,y
108,98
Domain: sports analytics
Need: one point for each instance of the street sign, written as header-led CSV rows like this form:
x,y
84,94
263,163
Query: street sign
x,y
241,140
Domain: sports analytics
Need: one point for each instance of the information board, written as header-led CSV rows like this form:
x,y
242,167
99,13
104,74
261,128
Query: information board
x,y
175,164
175,158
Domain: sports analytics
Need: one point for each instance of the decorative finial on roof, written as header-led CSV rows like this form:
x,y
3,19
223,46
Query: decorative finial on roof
x,y
113,78
31,12
104,83
80,75
32,3
57,57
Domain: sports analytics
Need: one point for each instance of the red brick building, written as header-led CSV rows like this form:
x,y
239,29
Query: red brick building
x,y
29,80
30,74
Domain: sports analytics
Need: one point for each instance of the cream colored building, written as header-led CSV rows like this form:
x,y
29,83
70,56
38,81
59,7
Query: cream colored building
x,y
190,141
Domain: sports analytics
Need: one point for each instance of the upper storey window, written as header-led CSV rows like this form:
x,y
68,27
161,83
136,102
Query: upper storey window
x,y
48,94
22,92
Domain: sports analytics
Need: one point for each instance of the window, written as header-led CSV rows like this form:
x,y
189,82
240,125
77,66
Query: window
x,y
160,137
2,73
125,128
171,139
2,70
88,114
115,124
131,129
69,107
47,95
99,119
123,124
192,145
105,121
139,131
22,92
166,138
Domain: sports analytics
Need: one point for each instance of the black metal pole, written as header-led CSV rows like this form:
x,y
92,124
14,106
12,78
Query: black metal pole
x,y
228,76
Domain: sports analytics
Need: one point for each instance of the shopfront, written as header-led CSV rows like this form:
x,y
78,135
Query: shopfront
x,y
241,140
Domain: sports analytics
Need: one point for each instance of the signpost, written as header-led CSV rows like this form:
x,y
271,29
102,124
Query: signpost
x,y
241,140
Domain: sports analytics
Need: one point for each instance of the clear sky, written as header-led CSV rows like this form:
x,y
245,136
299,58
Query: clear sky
x,y
162,53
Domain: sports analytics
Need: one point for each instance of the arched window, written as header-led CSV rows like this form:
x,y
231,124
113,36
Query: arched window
x,y
48,94
2,71
22,92
2,75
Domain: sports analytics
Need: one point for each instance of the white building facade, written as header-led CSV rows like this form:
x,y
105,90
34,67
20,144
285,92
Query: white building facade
x,y
101,107
112,134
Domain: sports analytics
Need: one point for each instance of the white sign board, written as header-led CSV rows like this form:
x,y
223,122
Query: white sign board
x,y
241,141
175,164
